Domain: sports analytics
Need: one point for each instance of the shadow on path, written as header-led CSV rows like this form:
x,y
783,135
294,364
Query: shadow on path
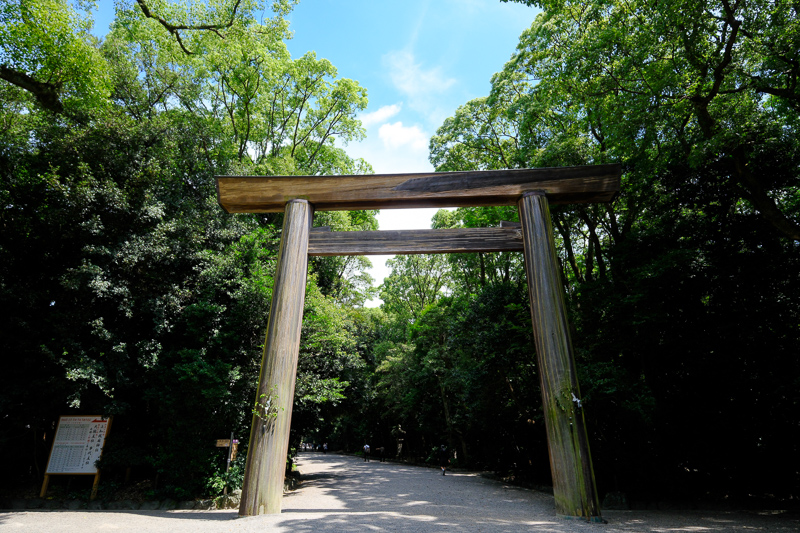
x,y
343,494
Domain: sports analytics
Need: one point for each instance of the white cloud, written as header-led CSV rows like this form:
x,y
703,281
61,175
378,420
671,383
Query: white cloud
x,y
419,84
381,115
390,160
396,135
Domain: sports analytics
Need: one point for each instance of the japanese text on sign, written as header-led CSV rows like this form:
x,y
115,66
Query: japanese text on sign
x,y
78,443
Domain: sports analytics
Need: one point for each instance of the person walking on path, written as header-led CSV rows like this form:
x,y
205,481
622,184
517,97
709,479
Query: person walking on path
x,y
366,453
444,458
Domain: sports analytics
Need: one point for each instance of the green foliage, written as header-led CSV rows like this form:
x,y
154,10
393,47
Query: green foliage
x,y
331,367
469,273
345,278
416,281
706,86
134,295
264,407
46,49
466,376
678,306
232,479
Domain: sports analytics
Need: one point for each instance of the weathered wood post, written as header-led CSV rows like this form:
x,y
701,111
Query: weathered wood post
x,y
570,460
272,413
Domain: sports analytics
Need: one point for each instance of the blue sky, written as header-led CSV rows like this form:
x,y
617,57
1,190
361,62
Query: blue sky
x,y
418,59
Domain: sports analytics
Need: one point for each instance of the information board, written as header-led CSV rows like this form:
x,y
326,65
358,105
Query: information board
x,y
78,444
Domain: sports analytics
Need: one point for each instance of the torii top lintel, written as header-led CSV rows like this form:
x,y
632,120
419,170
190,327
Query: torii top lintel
x,y
269,194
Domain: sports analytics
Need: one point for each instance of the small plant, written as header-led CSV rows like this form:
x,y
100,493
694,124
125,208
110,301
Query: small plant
x,y
266,406
233,478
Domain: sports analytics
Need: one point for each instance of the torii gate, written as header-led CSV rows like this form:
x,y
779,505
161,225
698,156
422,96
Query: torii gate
x,y
530,189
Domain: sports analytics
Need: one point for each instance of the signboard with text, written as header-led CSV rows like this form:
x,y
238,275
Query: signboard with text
x,y
77,445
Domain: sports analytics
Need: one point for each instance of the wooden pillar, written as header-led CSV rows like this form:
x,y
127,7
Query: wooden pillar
x,y
95,485
272,412
45,483
570,459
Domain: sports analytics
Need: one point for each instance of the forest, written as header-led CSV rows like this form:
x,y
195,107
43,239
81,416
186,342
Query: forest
x,y
129,292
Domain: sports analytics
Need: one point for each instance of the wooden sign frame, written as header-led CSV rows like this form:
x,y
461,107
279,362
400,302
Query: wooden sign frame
x,y
531,190
91,443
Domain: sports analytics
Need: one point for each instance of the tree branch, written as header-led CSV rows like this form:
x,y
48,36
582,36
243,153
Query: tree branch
x,y
45,93
175,29
760,199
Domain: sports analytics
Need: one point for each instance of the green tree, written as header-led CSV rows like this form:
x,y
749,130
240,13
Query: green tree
x,y
134,294
272,114
713,84
692,101
416,281
468,273
46,48
345,278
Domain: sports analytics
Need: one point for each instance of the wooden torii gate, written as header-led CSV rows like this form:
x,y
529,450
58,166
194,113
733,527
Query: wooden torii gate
x,y
530,189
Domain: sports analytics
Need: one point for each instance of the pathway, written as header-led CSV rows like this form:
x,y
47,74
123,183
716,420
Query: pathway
x,y
344,494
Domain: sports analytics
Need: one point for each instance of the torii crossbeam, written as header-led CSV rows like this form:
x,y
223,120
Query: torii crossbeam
x,y
532,190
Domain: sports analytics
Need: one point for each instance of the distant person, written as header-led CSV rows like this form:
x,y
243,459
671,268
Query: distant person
x,y
444,458
398,433
325,448
366,453
380,452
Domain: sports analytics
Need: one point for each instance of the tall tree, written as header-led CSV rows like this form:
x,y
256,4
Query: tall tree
x,y
46,49
714,83
696,101
134,294
416,281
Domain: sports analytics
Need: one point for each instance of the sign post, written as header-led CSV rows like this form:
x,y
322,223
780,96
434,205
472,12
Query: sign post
x,y
231,445
77,446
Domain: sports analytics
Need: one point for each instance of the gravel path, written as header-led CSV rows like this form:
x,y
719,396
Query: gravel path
x,y
343,493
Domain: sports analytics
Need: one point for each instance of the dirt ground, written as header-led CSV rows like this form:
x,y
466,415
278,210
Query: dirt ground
x,y
343,493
